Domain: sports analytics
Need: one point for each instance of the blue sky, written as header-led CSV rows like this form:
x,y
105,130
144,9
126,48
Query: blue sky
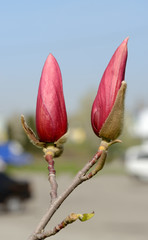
x,y
82,35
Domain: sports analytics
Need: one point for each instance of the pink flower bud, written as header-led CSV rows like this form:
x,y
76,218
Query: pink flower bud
x,y
51,116
108,90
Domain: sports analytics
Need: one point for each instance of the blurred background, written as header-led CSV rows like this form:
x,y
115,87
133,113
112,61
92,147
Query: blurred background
x,y
82,35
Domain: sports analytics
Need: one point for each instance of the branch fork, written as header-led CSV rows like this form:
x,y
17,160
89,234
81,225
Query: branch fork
x,y
52,150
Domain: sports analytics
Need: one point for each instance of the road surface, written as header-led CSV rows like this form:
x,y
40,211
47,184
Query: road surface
x,y
120,204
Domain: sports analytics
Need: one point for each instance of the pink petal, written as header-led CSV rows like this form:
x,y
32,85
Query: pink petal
x,y
51,117
109,87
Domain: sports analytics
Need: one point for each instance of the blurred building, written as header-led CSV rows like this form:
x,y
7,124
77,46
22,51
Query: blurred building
x,y
140,126
77,135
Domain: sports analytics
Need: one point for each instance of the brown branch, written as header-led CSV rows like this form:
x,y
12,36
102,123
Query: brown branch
x,y
99,166
52,177
68,220
79,178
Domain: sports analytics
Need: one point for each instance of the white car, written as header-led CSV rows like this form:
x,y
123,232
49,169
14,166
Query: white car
x,y
136,161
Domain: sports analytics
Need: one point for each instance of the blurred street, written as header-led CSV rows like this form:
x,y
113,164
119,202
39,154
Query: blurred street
x,y
120,204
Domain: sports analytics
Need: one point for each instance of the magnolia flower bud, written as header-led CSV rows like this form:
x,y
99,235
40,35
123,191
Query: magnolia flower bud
x,y
51,116
108,107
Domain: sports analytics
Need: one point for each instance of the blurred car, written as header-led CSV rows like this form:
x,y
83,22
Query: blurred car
x,y
136,161
12,153
13,192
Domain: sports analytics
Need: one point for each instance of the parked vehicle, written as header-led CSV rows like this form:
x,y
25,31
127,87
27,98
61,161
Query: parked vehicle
x,y
13,192
136,161
12,153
